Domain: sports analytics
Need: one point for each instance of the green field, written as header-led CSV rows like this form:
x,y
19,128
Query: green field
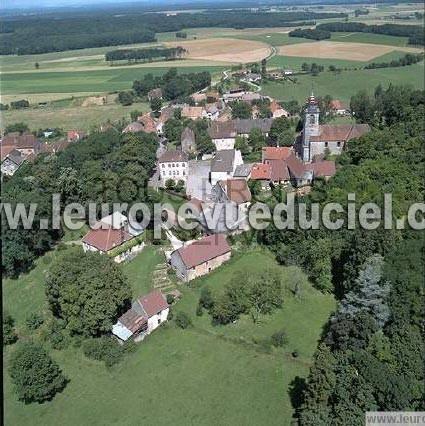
x,y
200,376
102,81
343,85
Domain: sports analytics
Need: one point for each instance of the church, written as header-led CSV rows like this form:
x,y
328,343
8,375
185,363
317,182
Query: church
x,y
317,139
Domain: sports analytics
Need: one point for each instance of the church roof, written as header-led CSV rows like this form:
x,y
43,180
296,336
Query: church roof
x,y
344,132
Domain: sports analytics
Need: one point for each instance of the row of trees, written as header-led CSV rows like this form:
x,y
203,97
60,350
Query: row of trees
x,y
31,35
174,86
407,59
415,33
145,54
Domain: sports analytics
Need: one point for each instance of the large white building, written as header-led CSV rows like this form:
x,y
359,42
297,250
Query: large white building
x,y
224,164
173,165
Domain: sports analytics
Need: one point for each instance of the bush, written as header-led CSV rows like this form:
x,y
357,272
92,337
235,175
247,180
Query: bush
x,y
205,299
279,338
199,311
57,335
183,320
23,103
170,299
295,354
34,321
36,377
105,349
9,335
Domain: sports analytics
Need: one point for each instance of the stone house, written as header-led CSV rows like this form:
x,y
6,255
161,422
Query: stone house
x,y
200,257
11,162
146,314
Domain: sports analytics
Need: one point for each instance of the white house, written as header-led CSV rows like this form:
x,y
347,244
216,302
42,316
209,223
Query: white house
x,y
173,165
224,164
223,134
145,315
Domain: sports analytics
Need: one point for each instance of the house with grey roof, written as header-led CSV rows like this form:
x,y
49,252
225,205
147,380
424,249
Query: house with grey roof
x,y
224,164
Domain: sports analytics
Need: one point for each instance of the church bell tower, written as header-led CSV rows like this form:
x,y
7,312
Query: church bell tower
x,y
311,126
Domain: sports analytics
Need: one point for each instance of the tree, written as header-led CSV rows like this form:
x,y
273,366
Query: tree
x,y
362,107
156,105
17,127
281,133
205,299
256,139
125,98
241,110
34,321
36,377
264,67
37,65
87,290
9,335
170,184
183,320
242,145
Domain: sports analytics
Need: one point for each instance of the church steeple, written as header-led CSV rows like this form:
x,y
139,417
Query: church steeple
x,y
311,126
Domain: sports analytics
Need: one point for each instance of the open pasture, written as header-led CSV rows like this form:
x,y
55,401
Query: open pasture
x,y
226,50
337,50
235,380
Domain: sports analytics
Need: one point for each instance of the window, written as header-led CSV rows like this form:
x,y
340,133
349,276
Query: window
x,y
169,165
338,144
159,321
184,173
169,173
326,144
177,173
312,119
163,165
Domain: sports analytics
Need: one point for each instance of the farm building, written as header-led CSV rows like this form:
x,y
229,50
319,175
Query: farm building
x,y
145,315
26,143
200,257
115,236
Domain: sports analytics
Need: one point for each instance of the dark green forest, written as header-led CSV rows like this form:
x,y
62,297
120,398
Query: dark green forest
x,y
31,35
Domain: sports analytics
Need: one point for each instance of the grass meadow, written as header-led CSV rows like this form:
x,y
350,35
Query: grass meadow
x,y
199,376
345,84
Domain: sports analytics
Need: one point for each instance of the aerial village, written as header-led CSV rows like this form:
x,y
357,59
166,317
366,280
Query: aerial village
x,y
223,176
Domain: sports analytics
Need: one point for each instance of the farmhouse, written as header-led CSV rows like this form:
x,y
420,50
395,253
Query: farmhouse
x,y
262,173
187,140
224,164
338,107
145,315
173,165
166,114
149,124
223,134
244,126
193,112
115,236
26,143
315,139
200,257
277,110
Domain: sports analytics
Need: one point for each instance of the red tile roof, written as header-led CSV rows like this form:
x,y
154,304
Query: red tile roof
x,y
237,190
276,153
149,124
261,171
106,239
279,170
203,250
24,141
192,112
323,168
153,303
295,166
76,135
6,150
274,106
335,104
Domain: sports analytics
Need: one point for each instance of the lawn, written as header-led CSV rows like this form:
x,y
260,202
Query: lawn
x,y
200,376
370,38
346,83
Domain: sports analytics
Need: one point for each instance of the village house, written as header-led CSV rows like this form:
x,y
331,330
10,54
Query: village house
x,y
173,165
193,112
224,164
338,108
76,135
166,114
155,94
244,126
187,140
134,127
199,97
261,173
222,134
115,236
200,257
243,171
316,140
26,143
146,314
234,95
212,110
148,122
11,161
277,110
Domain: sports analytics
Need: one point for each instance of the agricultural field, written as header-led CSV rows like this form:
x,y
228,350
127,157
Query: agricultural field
x,y
343,85
222,361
